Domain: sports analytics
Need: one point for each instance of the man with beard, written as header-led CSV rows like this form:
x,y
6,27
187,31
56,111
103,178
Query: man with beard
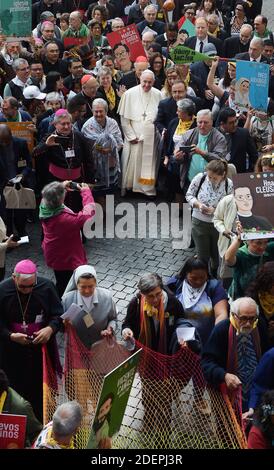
x,y
234,348
238,44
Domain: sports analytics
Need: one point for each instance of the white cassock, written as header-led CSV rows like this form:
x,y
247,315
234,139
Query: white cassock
x,y
138,112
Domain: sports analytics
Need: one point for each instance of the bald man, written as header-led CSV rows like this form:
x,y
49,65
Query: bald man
x,y
89,92
202,38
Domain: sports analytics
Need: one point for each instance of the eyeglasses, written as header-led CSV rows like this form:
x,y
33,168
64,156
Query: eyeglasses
x,y
120,54
246,197
244,319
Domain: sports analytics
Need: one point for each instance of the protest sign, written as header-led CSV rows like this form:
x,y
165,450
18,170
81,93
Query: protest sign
x,y
113,401
185,55
252,83
189,27
254,196
12,431
21,130
130,37
15,18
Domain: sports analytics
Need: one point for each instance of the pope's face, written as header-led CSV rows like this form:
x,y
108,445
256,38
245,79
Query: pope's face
x,y
147,83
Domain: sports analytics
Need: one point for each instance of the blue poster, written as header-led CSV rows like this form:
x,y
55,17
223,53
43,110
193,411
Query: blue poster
x,y
252,83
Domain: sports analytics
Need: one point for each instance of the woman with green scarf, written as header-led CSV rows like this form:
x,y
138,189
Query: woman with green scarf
x,y
62,244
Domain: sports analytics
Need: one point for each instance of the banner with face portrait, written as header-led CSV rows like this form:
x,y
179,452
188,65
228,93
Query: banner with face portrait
x,y
112,402
252,83
254,197
128,36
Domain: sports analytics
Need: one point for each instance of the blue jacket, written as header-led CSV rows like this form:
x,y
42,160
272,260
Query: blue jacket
x,y
24,116
263,379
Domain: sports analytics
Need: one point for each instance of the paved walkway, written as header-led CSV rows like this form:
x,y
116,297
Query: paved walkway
x,y
268,11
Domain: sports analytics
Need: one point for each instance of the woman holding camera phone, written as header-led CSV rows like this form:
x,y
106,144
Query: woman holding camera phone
x,y
60,223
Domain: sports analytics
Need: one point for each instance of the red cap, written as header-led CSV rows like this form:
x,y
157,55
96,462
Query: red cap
x,y
141,58
85,79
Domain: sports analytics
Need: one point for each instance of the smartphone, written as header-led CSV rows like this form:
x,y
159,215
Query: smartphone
x,y
15,238
186,148
61,139
74,186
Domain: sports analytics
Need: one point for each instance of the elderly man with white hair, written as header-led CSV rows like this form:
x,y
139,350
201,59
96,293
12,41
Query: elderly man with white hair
x,y
138,109
77,29
234,348
255,52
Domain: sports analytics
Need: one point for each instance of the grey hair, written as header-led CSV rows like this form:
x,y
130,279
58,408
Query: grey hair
x,y
16,64
205,112
148,72
53,195
104,71
150,7
235,306
148,282
76,14
258,41
101,102
117,20
247,26
43,24
53,96
187,106
66,419
61,116
213,17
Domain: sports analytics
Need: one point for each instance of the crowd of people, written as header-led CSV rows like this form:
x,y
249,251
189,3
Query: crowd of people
x,y
102,123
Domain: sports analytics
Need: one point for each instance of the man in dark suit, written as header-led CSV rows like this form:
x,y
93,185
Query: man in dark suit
x,y
131,79
202,38
150,13
240,145
14,160
169,37
255,52
167,109
136,12
238,44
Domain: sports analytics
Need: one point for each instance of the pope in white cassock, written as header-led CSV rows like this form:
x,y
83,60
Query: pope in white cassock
x,y
138,109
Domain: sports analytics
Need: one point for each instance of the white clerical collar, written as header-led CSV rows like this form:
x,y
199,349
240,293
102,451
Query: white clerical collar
x,y
245,215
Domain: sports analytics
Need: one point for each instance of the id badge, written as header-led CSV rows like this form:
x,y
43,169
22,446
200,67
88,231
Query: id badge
x,y
69,153
88,320
38,318
21,163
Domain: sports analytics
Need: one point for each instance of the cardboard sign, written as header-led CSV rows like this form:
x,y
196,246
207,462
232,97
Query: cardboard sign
x,y
15,17
252,83
129,36
185,55
20,129
254,197
12,431
113,401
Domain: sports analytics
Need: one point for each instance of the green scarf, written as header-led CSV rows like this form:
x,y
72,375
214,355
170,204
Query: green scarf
x,y
45,212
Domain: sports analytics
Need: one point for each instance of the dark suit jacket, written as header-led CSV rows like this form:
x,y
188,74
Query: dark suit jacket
x,y
246,56
135,15
21,153
191,42
243,146
161,40
157,26
129,80
233,46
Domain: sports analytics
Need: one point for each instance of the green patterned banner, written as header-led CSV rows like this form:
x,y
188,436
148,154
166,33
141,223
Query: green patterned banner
x,y
15,18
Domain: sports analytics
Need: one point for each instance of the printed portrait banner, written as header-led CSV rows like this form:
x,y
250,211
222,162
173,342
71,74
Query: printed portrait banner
x,y
185,55
12,431
15,17
20,129
129,36
252,83
254,197
113,401
189,27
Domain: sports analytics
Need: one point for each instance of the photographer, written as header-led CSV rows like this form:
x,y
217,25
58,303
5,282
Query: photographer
x,y
66,155
60,223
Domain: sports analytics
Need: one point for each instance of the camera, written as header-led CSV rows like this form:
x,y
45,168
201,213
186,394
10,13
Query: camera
x,y
16,238
61,139
186,148
74,186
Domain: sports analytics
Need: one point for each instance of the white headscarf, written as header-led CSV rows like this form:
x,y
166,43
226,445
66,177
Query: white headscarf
x,y
80,271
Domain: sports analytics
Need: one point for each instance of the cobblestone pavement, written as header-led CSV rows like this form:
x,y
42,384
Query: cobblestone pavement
x,y
119,263
268,11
